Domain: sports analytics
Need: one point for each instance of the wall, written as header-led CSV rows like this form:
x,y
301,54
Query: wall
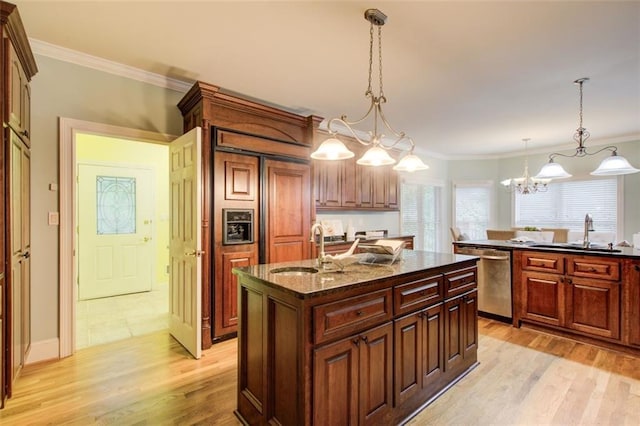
x,y
61,89
105,150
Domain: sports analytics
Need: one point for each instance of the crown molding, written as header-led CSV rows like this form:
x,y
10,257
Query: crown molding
x,y
43,48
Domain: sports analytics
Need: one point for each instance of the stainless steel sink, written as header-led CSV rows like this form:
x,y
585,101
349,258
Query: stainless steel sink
x,y
294,270
577,247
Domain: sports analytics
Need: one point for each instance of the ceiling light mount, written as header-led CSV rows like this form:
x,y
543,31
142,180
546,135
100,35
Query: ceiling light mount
x,y
610,166
377,154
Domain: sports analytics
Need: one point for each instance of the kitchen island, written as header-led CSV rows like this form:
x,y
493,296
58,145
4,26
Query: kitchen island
x,y
592,294
373,344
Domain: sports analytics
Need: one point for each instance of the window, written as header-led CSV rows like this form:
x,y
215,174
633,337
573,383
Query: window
x,y
472,208
566,203
420,213
116,205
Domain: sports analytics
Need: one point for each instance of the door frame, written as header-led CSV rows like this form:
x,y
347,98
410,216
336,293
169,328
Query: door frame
x,y
68,273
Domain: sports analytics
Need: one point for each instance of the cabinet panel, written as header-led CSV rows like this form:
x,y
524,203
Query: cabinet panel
x,y
335,378
241,180
594,307
470,336
348,184
433,346
408,351
543,262
350,315
376,374
453,351
288,202
633,310
589,267
364,187
417,294
225,291
458,282
543,297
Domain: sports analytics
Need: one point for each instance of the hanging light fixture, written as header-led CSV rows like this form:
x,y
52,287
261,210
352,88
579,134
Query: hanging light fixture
x,y
526,184
612,165
378,153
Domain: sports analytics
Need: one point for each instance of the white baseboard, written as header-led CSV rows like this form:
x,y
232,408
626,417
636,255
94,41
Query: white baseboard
x,y
43,350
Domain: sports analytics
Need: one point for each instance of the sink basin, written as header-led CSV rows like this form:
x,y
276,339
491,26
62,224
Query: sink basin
x,y
294,270
577,247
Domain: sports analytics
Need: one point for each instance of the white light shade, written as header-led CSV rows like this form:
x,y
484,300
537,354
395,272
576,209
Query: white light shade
x,y
552,170
375,156
332,149
506,182
614,165
410,163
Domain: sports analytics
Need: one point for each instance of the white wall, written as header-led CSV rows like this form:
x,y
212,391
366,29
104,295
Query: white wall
x,y
61,89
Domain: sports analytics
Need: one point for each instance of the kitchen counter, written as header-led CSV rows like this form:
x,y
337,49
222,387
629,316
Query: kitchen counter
x,y
624,252
329,279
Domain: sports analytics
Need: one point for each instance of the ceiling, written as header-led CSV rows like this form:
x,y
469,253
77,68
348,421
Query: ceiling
x,y
463,79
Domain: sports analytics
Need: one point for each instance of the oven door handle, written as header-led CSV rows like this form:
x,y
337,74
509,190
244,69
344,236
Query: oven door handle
x,y
494,257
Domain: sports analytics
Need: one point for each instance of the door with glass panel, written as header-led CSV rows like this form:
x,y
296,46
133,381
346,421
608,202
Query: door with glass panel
x,y
115,210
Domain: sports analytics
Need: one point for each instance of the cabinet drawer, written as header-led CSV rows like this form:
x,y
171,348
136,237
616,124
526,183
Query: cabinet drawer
x,y
604,269
417,294
457,282
351,315
543,262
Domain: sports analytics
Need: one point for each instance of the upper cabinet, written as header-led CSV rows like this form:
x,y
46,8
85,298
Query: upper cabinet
x,y
345,185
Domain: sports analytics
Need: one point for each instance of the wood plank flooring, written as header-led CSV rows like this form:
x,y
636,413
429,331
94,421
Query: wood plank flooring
x,y
524,378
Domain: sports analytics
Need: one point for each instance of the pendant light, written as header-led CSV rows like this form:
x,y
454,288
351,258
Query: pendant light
x,y
526,184
378,152
612,165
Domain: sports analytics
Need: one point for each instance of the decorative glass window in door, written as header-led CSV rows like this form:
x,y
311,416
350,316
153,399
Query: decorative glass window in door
x,y
116,205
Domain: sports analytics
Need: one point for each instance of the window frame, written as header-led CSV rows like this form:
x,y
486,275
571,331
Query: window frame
x,y
441,236
490,184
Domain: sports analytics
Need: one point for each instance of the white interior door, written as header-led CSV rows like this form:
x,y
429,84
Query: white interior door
x,y
185,280
115,211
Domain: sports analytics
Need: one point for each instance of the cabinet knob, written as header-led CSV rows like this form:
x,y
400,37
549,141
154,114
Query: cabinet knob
x,y
356,341
25,133
637,267
569,281
365,339
359,313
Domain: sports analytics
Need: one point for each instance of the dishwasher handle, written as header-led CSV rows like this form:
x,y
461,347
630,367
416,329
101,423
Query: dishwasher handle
x,y
494,257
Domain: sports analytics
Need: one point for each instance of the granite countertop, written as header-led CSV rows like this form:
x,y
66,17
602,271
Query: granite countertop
x,y
330,279
630,252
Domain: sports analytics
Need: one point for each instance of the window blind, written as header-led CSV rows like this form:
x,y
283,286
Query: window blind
x,y
420,207
473,210
565,205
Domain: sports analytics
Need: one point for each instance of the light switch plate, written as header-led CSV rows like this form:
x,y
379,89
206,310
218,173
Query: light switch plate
x,y
54,218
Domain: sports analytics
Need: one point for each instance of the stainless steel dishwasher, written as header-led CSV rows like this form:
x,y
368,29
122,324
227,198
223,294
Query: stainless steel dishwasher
x,y
494,281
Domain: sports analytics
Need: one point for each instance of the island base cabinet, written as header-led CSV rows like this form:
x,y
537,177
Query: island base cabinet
x,y
353,379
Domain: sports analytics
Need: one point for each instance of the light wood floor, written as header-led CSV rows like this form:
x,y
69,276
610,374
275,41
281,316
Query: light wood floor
x,y
524,378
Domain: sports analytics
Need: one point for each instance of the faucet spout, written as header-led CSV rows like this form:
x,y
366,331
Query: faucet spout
x,y
588,226
317,227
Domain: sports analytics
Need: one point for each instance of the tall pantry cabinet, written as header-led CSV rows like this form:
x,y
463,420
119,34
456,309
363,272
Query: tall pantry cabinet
x,y
257,196
18,67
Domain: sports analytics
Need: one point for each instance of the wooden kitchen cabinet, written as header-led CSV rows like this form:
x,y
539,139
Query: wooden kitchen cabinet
x,y
353,378
250,151
578,293
461,332
345,185
632,308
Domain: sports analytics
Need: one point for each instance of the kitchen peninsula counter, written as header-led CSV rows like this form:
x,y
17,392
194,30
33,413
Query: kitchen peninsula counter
x,y
588,295
372,344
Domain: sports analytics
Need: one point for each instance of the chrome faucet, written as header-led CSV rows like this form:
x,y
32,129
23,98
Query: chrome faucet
x,y
318,227
588,226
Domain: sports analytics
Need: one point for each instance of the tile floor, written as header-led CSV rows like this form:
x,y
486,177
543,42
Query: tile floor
x,y
120,317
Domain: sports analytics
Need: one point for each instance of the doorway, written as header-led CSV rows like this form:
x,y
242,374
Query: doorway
x,y
122,254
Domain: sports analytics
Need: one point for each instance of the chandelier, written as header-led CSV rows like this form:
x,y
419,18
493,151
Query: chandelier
x,y
612,165
526,184
378,153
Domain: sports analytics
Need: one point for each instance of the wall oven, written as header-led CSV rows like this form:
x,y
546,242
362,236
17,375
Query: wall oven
x,y
494,281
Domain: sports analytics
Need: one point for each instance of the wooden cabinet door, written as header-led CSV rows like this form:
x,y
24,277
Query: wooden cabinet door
x,y
408,356
19,96
380,179
226,289
470,325
348,184
329,183
335,383
543,297
364,187
393,190
376,374
593,306
633,285
432,351
453,345
288,209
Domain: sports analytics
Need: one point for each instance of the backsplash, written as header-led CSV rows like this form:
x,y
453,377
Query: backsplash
x,y
365,221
